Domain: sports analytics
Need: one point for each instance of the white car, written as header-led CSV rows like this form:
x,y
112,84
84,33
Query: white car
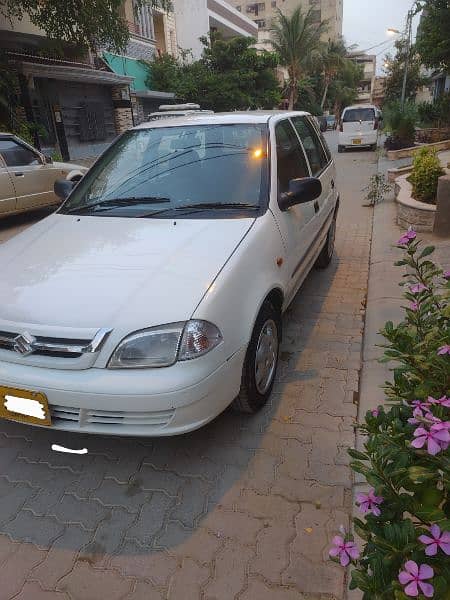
x,y
359,126
152,299
27,176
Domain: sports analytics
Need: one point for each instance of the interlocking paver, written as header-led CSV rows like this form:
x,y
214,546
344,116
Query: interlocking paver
x,y
246,505
33,591
87,583
26,527
61,557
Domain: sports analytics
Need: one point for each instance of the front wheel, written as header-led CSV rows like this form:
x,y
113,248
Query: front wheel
x,y
261,360
326,253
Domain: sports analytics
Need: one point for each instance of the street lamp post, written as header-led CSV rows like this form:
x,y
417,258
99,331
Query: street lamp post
x,y
408,39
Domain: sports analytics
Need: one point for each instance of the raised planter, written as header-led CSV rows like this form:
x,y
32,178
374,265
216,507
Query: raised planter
x,y
412,213
405,152
396,172
432,134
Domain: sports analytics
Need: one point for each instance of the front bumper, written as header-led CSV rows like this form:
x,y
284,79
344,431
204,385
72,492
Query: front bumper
x,y
128,402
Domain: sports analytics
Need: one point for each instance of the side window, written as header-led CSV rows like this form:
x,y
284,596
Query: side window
x,y
16,155
311,143
291,162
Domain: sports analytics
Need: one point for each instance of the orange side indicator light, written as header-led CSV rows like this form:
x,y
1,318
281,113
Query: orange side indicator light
x,y
280,261
257,153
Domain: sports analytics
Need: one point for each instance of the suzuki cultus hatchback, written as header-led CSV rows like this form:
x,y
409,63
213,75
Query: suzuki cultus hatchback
x,y
152,299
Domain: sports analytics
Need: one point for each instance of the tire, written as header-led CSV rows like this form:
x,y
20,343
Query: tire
x,y
326,254
341,149
374,147
255,391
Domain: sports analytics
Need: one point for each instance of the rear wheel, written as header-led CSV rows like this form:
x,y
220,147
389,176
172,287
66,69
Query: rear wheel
x,y
374,146
326,253
261,360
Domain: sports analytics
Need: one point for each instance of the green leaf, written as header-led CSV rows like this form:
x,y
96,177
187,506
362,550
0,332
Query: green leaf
x,y
427,251
356,454
420,474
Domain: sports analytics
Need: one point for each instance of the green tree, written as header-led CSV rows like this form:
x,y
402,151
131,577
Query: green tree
x,y
333,60
230,75
395,71
85,23
343,90
433,35
296,40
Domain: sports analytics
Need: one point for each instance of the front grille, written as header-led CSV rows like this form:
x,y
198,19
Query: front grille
x,y
86,416
56,346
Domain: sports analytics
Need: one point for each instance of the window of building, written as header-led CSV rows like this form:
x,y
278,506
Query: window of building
x,y
274,3
144,21
256,7
316,16
261,23
291,162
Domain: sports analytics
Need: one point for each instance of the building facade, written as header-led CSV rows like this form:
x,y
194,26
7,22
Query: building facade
x,y
366,86
262,13
195,20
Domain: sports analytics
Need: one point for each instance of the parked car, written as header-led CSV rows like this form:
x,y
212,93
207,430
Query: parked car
x,y
177,110
358,127
27,177
152,298
331,122
322,122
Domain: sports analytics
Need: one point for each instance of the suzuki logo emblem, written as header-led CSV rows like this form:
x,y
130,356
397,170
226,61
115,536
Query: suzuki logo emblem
x,y
23,343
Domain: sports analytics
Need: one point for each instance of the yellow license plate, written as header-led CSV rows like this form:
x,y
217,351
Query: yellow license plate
x,y
356,142
24,406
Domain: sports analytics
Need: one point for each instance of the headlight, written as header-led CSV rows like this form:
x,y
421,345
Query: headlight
x,y
163,346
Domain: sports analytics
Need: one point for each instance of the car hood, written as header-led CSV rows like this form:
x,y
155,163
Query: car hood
x,y
125,273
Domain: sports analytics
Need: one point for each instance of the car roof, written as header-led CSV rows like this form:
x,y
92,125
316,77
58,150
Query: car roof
x,y
230,118
360,106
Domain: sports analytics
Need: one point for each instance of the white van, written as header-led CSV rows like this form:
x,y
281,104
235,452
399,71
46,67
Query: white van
x,y
359,127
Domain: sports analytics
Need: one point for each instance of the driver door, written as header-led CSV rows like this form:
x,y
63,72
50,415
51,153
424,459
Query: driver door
x,y
297,223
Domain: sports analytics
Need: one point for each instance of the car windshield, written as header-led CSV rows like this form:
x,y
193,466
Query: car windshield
x,y
359,114
177,170
331,119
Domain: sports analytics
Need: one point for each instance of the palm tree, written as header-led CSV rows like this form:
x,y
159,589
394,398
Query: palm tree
x,y
296,39
333,60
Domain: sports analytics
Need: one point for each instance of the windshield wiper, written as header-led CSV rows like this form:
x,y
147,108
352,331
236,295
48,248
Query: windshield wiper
x,y
203,206
118,202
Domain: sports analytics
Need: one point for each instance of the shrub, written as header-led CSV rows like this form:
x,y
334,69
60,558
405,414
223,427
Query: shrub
x,y
437,113
400,122
425,175
377,189
406,456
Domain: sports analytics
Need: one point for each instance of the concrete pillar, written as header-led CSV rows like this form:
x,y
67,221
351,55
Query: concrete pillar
x,y
123,114
442,219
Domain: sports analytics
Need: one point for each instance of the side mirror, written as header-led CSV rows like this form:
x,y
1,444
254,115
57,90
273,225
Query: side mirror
x,y
48,159
300,191
63,187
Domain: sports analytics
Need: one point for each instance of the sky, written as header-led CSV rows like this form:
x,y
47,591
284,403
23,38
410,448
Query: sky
x,y
366,21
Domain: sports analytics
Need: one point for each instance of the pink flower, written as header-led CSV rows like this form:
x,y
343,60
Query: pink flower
x,y
437,438
444,350
444,401
375,412
413,578
417,288
407,237
368,503
414,306
422,404
346,551
420,415
438,540
447,275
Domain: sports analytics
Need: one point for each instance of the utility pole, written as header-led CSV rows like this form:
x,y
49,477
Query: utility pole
x,y
408,39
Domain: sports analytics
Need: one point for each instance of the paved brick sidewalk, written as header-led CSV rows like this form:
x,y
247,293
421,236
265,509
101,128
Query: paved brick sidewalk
x,y
244,508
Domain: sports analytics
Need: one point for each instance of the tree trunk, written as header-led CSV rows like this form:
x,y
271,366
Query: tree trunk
x,y
325,92
293,93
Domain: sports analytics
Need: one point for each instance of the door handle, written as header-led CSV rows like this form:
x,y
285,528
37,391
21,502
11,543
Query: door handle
x,y
332,184
19,174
